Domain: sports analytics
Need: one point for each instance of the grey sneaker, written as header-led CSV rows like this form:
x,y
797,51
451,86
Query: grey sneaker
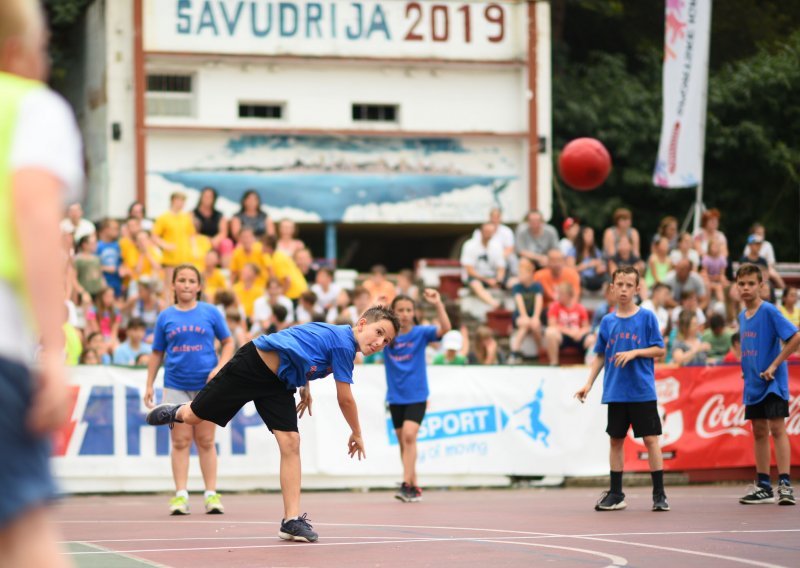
x,y
406,493
163,414
660,502
611,502
785,495
298,529
758,495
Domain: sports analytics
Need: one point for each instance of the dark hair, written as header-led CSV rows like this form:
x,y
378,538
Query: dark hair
x,y
716,321
580,244
280,312
684,320
688,294
213,192
134,204
232,313
92,336
309,296
379,313
85,354
360,291
194,269
379,269
224,298
736,338
270,242
404,298
318,317
83,239
135,323
625,269
105,222
245,195
748,268
659,286
325,270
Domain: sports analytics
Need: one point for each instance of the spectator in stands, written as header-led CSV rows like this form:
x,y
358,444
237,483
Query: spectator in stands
x,y
249,287
343,310
233,319
362,300
211,222
89,357
717,336
145,259
89,272
555,274
622,227
104,316
754,256
683,279
766,251
145,304
567,325
486,350
685,250
714,265
304,312
173,232
484,266
535,239
708,231
97,343
625,255
252,216
326,290
265,305
657,303
73,340
282,268
689,348
735,354
528,303
571,228
452,346
504,236
287,242
213,277
75,224
379,287
405,284
248,251
587,259
689,303
659,263
129,350
305,263
668,227
788,305
199,246
137,211
110,255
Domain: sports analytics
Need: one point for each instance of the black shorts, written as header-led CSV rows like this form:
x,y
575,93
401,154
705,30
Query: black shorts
x,y
643,416
772,406
567,342
401,412
244,378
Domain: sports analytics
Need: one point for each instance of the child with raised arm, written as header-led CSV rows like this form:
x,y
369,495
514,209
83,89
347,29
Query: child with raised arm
x,y
762,328
268,371
627,344
407,382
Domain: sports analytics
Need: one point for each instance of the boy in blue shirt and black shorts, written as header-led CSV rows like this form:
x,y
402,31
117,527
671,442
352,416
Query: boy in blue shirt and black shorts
x,y
628,341
762,328
268,371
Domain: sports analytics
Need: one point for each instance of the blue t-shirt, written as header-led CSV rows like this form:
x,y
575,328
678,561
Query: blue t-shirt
x,y
528,296
761,336
111,256
125,355
404,360
312,351
636,381
187,340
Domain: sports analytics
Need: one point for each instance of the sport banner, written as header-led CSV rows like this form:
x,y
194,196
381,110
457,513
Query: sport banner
x,y
685,84
703,420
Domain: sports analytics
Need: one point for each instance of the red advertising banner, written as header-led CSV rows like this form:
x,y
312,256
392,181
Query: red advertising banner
x,y
702,416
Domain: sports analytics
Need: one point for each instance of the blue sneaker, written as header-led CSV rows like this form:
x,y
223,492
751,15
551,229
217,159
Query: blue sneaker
x,y
298,529
163,414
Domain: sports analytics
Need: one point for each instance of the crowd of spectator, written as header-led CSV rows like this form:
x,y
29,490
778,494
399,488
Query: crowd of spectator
x,y
263,278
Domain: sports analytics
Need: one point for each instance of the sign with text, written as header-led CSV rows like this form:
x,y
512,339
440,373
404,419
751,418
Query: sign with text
x,y
338,28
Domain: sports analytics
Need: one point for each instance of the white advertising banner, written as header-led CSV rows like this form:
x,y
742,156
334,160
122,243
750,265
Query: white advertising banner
x,y
483,424
338,28
685,76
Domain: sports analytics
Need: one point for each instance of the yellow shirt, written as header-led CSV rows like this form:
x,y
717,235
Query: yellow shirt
x,y
200,245
256,256
176,229
793,317
131,255
283,267
213,283
247,296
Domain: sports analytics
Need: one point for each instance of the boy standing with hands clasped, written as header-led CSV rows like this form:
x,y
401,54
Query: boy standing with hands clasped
x,y
766,383
628,342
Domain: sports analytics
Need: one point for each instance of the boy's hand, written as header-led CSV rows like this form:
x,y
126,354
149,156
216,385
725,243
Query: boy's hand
x,y
356,446
769,373
432,295
583,393
624,357
148,397
305,402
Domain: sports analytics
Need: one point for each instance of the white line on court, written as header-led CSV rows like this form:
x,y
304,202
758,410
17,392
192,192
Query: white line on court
x,y
615,560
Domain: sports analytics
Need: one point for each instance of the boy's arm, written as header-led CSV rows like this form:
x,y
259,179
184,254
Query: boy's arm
x,y
347,404
153,363
594,370
788,348
624,357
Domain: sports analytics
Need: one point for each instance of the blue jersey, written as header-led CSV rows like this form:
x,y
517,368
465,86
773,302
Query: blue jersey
x,y
187,340
761,336
111,257
636,381
312,351
404,360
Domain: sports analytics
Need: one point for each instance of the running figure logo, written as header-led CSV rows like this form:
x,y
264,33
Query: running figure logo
x,y
534,427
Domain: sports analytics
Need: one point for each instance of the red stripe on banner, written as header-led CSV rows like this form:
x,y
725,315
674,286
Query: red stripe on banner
x,y
62,437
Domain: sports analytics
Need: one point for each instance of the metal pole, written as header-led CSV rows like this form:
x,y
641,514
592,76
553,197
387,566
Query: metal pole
x,y
698,207
330,243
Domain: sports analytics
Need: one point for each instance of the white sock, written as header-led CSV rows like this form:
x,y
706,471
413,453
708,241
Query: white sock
x,y
208,494
182,493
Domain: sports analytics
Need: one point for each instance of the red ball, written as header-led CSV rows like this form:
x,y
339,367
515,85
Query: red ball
x,y
584,164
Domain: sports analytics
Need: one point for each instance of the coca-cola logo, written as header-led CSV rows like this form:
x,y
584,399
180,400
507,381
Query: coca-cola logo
x,y
717,419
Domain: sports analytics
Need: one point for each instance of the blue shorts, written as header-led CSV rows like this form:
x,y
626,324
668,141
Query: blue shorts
x,y
25,471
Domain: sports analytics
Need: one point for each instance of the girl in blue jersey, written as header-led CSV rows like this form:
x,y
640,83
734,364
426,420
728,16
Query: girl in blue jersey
x,y
184,335
407,382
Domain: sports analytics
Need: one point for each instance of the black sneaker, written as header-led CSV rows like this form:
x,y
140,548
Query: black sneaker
x,y
660,502
785,495
163,414
416,494
298,529
405,494
611,502
758,495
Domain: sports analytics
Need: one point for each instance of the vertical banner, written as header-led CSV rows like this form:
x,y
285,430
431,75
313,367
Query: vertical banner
x,y
687,32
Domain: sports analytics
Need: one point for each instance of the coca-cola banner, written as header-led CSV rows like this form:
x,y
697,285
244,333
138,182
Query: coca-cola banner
x,y
703,420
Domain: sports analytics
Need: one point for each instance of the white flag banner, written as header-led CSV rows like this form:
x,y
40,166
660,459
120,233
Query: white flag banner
x,y
687,33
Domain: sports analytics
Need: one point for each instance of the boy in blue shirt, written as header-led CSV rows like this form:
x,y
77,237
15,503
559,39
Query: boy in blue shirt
x,y
628,341
766,383
268,371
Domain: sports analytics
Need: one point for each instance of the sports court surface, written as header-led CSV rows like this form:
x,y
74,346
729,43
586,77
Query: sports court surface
x,y
520,527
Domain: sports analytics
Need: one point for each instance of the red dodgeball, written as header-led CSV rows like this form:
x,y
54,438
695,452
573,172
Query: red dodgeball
x,y
584,164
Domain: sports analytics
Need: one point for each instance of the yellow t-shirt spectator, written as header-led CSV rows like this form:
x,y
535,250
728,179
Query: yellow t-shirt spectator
x,y
131,255
200,245
175,229
213,283
73,345
256,256
283,267
247,296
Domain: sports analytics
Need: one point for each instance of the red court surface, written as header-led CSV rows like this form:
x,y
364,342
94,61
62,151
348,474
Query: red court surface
x,y
487,528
